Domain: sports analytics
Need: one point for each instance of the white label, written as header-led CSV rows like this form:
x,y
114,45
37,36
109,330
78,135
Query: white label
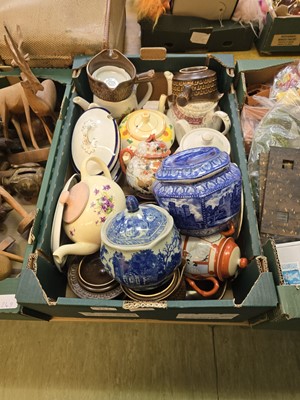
x,y
286,40
199,37
116,315
206,316
104,308
8,301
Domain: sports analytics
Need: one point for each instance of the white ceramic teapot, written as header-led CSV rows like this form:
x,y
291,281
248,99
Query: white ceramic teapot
x,y
86,207
200,114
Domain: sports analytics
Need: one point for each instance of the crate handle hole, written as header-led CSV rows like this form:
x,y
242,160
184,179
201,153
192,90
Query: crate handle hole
x,y
282,216
228,43
287,164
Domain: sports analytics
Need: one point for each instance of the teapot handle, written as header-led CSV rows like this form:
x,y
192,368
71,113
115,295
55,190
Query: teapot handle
x,y
225,119
182,127
84,171
204,293
122,162
230,231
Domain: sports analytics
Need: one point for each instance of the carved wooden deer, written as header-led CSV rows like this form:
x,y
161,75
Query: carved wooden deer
x,y
28,94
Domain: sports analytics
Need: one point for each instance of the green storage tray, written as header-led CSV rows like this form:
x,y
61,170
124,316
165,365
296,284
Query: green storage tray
x,y
44,289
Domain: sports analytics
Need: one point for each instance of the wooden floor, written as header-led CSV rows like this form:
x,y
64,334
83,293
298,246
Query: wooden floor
x,y
139,361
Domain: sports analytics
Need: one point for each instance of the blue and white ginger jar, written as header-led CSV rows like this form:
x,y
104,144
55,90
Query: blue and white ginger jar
x,y
201,189
140,246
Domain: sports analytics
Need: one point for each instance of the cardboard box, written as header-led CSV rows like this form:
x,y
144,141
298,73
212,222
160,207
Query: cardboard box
x,y
279,35
253,72
9,307
212,9
44,289
186,34
287,314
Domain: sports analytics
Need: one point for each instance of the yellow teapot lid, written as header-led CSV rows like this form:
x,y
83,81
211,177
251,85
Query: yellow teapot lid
x,y
144,123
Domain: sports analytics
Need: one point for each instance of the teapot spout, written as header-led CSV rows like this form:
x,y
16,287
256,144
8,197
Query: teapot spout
x,y
85,105
78,248
81,102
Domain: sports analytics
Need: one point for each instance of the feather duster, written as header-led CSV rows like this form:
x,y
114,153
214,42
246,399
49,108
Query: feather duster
x,y
151,9
249,11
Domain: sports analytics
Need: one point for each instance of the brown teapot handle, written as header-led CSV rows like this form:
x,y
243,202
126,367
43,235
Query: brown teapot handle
x,y
204,293
122,163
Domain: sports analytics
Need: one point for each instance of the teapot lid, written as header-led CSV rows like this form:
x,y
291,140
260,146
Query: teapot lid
x,y
143,123
138,226
152,149
229,259
193,164
194,72
205,138
75,201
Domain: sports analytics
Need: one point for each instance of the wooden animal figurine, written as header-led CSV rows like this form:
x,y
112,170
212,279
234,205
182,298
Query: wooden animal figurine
x,y
27,218
28,94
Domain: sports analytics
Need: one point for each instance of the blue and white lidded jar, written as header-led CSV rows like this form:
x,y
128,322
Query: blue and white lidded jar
x,y
201,189
140,246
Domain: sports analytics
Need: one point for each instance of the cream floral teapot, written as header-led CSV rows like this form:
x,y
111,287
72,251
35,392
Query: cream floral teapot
x,y
86,206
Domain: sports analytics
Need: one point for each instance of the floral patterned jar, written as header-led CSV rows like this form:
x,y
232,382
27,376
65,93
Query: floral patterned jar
x,y
142,165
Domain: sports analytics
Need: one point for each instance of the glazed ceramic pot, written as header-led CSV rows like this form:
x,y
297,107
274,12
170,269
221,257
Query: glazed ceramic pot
x,y
112,76
215,257
200,114
119,109
141,125
200,188
142,165
197,83
86,207
140,246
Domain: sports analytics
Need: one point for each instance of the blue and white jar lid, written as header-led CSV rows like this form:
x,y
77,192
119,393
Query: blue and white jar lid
x,y
139,226
193,165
